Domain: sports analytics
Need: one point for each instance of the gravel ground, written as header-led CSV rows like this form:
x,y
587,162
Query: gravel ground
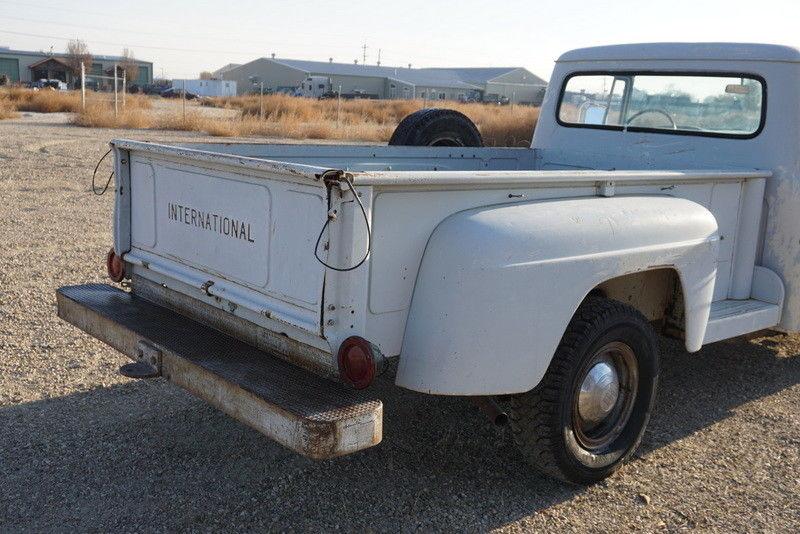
x,y
82,448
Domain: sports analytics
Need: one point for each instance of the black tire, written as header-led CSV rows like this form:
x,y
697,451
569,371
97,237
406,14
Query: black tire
x,y
436,127
546,422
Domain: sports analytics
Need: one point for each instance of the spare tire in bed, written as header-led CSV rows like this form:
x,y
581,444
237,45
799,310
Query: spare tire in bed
x,y
436,127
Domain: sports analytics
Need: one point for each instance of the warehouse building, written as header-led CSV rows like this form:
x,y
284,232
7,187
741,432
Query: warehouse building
x,y
217,74
21,66
310,78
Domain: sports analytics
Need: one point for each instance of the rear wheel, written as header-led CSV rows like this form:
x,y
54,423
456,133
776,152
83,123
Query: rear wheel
x,y
588,414
436,127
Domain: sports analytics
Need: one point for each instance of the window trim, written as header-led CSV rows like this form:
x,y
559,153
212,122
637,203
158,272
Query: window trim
x,y
645,129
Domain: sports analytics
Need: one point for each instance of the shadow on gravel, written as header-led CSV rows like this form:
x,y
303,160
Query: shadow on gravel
x,y
146,456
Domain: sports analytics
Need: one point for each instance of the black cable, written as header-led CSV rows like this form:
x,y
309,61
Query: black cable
x,y
324,226
94,175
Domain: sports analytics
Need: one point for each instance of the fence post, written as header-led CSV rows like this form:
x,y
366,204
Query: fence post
x,y
124,83
116,110
261,103
183,98
83,86
338,104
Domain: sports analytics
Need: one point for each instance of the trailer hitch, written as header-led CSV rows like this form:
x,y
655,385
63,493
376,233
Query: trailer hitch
x,y
147,364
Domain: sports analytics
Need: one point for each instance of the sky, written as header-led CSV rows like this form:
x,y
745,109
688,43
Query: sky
x,y
184,37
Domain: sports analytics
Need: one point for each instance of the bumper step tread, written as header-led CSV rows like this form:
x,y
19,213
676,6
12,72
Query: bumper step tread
x,y
313,416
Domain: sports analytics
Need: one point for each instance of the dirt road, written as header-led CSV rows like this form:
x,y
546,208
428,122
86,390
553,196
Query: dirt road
x,y
82,448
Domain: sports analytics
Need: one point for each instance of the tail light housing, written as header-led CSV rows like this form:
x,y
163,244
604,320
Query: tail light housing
x,y
359,362
115,266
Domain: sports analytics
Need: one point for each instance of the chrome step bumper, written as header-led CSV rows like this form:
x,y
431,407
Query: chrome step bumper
x,y
315,417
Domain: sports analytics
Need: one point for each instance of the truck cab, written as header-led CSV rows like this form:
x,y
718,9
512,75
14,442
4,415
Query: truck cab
x,y
660,196
690,106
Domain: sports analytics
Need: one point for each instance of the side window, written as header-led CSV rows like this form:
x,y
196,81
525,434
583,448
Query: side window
x,y
593,100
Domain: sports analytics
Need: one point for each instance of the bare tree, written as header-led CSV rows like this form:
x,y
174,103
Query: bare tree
x,y
205,75
77,53
129,65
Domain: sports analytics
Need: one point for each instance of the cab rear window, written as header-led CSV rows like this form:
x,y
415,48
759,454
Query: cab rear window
x,y
724,105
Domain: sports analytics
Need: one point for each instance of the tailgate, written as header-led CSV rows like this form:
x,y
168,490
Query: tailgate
x,y
237,229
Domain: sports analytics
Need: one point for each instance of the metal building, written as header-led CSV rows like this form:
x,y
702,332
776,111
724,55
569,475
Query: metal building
x,y
217,74
22,66
310,78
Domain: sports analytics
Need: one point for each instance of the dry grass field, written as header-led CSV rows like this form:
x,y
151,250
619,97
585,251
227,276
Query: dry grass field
x,y
44,101
271,116
50,101
369,120
7,110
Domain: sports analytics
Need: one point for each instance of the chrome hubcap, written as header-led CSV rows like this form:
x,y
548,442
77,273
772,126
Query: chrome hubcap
x,y
599,392
604,396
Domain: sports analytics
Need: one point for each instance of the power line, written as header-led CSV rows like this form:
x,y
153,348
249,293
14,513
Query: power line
x,y
140,46
159,34
401,56
218,52
171,23
171,49
64,9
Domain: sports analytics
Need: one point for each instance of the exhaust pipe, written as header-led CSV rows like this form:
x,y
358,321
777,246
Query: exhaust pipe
x,y
491,410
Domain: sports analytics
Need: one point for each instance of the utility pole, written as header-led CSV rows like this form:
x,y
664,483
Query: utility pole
x,y
364,48
124,83
261,103
379,57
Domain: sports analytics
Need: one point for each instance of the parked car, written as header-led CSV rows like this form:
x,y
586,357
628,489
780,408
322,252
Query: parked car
x,y
494,98
172,92
360,95
153,89
267,278
44,83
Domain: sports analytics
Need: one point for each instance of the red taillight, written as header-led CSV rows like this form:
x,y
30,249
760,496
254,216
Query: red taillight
x,y
359,362
115,266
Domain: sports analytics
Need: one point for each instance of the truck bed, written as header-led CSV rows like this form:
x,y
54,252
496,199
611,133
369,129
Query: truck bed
x,y
406,192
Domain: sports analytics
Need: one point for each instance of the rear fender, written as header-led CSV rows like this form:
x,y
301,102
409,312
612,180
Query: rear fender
x,y
498,285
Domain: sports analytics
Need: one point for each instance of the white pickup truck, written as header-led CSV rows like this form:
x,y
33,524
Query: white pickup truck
x,y
661,195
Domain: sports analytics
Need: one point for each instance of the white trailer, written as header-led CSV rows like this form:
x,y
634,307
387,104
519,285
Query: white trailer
x,y
205,87
661,195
